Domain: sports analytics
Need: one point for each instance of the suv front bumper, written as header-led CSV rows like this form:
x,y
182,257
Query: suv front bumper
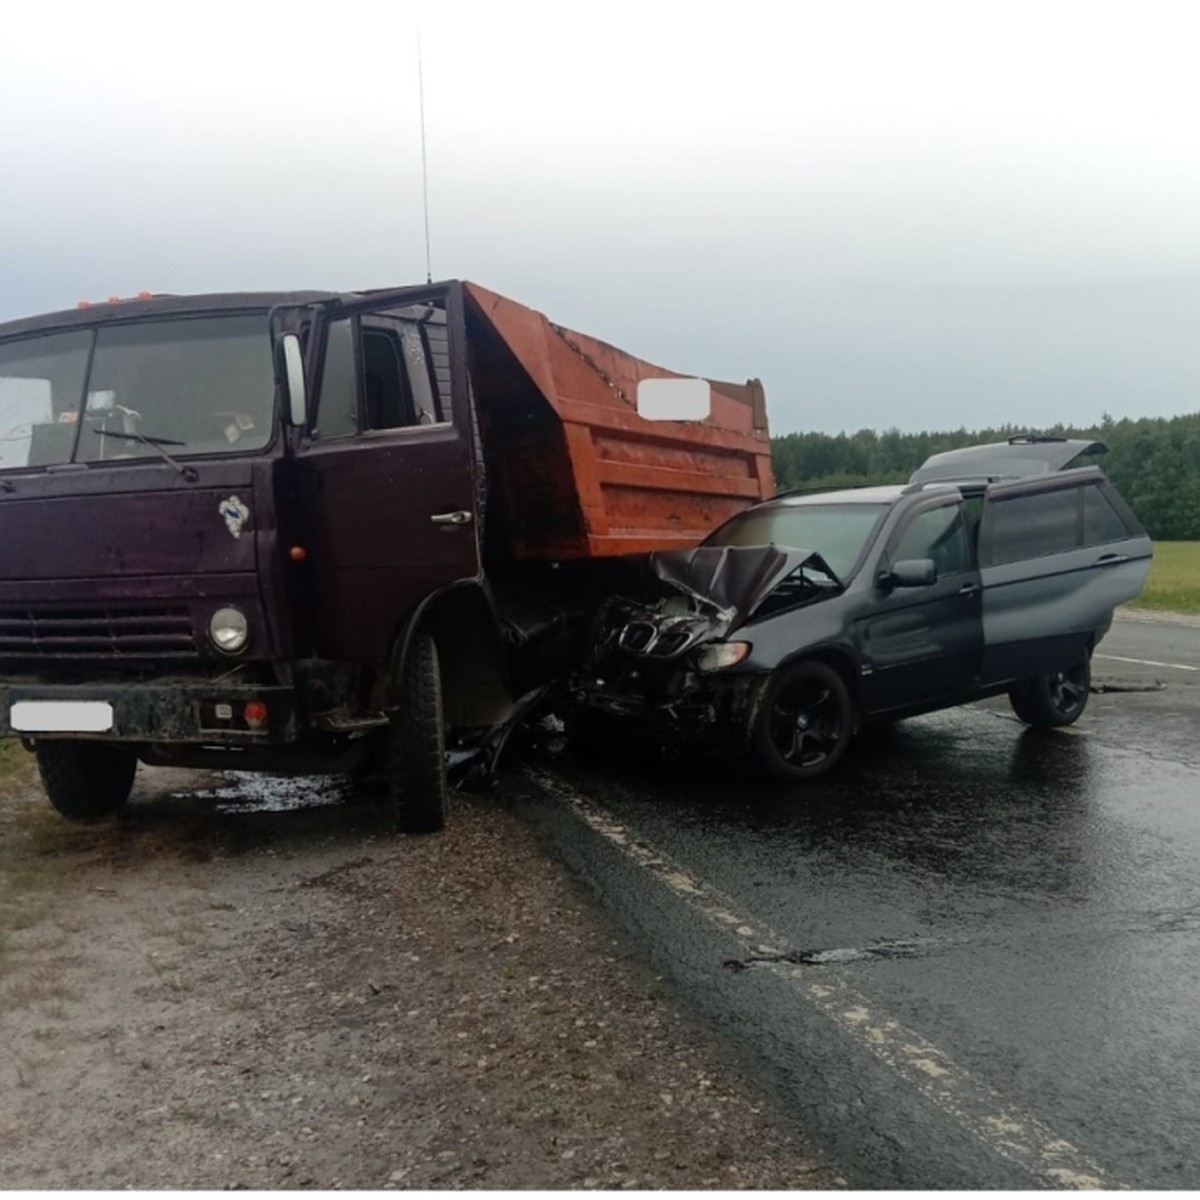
x,y
716,712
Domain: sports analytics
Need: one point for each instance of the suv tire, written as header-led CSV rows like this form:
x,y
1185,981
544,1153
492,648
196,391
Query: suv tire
x,y
416,752
1051,701
85,780
805,724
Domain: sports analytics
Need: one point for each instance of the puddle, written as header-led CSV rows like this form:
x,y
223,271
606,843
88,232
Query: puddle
x,y
251,792
839,955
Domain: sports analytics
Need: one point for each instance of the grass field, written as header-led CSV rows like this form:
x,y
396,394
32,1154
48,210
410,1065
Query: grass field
x,y
1174,583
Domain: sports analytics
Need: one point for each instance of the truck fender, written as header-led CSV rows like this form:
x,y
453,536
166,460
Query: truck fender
x,y
475,683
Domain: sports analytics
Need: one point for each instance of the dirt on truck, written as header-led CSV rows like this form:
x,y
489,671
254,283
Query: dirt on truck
x,y
331,533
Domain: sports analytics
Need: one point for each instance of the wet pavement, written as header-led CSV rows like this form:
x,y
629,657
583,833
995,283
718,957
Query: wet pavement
x,y
969,960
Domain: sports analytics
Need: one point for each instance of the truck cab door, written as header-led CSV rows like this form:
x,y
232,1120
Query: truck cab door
x,y
1058,554
385,474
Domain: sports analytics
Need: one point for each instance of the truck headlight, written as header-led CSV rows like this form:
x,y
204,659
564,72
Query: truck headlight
x,y
721,655
229,630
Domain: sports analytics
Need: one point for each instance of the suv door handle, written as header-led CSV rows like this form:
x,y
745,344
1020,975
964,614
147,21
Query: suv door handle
x,y
451,518
968,589
1111,560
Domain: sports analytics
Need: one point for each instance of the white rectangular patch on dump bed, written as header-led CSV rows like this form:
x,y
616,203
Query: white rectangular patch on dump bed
x,y
61,716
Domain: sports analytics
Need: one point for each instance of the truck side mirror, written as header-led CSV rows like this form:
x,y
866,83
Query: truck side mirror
x,y
674,399
293,366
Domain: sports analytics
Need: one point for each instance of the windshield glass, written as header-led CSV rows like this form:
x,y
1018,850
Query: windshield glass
x,y
41,382
837,532
200,385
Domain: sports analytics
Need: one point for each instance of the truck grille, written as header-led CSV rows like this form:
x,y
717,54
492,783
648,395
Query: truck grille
x,y
96,633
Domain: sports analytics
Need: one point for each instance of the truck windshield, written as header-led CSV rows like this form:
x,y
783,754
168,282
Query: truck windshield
x,y
197,385
839,533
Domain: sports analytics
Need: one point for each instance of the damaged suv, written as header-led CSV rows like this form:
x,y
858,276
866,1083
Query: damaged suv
x,y
797,622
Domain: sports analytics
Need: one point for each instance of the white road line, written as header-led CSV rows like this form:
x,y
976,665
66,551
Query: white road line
x,y
1010,1133
1146,662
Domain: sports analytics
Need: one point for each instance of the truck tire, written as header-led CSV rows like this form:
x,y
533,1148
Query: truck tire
x,y
805,723
85,780
1051,701
416,758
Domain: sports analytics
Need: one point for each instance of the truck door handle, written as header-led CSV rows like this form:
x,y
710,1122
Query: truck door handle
x,y
1111,560
452,518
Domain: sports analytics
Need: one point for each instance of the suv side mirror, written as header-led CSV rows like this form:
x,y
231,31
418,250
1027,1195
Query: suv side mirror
x,y
293,367
912,572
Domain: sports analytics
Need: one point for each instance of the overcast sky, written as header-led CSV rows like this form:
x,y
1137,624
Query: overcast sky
x,y
911,214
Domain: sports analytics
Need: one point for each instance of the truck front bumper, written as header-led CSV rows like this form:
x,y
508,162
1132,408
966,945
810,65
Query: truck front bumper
x,y
206,712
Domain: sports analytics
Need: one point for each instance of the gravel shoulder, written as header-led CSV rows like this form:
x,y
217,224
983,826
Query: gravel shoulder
x,y
1157,616
260,987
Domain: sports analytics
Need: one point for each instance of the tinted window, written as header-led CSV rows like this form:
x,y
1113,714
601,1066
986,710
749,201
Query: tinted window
x,y
1034,526
837,532
939,534
1100,520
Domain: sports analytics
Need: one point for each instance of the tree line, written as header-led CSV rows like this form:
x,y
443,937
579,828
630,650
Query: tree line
x,y
1154,461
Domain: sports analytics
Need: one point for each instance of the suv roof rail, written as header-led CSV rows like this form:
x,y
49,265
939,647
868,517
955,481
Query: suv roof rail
x,y
926,484
1029,439
816,491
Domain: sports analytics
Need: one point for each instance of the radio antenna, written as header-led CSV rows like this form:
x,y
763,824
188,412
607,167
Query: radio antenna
x,y
424,164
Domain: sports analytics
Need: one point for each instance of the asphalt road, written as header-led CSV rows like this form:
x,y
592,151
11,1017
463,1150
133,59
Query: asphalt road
x,y
970,960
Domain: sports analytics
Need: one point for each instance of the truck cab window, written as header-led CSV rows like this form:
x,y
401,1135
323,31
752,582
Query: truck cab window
x,y
337,400
387,393
377,375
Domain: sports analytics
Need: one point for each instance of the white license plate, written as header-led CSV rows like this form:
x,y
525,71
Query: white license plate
x,y
61,716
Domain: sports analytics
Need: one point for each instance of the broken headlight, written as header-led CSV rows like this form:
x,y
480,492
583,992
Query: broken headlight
x,y
720,655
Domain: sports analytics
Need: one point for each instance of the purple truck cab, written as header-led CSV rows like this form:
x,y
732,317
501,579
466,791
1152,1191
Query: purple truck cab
x,y
316,531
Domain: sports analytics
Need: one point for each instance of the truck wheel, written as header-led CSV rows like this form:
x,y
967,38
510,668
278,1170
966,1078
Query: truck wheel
x,y
805,723
1049,701
85,780
416,759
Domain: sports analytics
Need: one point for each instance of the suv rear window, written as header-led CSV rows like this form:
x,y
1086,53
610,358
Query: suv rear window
x,y
1101,522
1052,522
1034,526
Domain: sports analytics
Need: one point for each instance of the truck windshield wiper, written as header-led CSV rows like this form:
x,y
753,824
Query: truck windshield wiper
x,y
155,443
139,437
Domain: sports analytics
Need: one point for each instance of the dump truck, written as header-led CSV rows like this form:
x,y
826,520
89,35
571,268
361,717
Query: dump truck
x,y
324,532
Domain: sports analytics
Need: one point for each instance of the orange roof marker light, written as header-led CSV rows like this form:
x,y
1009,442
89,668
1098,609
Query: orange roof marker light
x,y
142,295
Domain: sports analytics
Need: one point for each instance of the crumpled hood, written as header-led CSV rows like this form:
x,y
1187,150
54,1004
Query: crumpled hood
x,y
736,579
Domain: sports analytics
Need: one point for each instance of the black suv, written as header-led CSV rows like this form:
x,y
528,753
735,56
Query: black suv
x,y
996,569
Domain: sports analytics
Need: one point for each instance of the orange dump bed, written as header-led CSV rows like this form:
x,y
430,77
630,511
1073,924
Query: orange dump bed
x,y
580,474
